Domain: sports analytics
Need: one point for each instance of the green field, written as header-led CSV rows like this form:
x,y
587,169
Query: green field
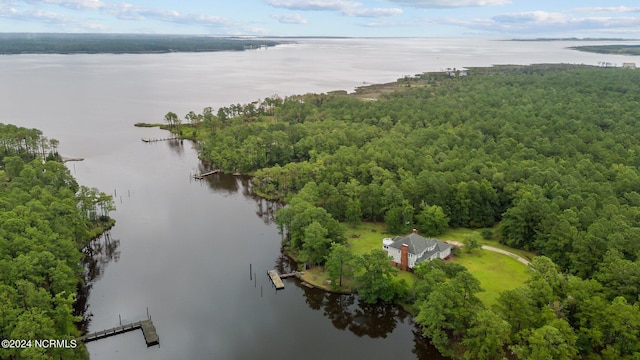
x,y
496,272
366,236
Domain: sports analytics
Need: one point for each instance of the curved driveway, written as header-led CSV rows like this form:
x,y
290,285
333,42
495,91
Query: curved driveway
x,y
494,249
508,253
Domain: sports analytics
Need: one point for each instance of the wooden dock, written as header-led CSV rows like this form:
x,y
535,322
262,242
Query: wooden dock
x,y
202,175
295,273
148,330
148,140
275,278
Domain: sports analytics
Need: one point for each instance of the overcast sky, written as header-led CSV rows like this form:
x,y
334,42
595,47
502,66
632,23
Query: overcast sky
x,y
412,18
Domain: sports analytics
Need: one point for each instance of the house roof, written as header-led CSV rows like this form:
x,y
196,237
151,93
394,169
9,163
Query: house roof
x,y
417,244
440,247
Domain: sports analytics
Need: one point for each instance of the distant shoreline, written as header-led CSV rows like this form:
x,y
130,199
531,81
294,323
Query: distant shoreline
x,y
574,39
72,44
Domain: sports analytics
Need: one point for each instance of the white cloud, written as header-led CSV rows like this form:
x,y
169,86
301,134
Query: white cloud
x,y
531,17
56,20
618,9
290,18
40,16
541,22
375,12
442,4
71,4
77,4
331,5
122,11
345,7
125,11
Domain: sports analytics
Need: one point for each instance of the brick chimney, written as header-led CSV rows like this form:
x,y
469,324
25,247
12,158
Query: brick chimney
x,y
404,257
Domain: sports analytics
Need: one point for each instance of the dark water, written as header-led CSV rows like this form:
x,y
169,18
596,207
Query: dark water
x,y
182,248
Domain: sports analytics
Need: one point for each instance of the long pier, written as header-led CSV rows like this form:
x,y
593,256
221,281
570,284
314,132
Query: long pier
x,y
148,330
202,175
147,140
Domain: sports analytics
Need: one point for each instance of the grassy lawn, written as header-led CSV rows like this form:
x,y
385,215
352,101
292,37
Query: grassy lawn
x,y
496,272
318,277
366,237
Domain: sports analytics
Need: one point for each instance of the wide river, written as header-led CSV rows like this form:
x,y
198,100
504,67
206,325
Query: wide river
x,y
183,249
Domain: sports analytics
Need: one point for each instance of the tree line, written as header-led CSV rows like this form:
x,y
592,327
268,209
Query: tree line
x,y
46,219
18,43
28,144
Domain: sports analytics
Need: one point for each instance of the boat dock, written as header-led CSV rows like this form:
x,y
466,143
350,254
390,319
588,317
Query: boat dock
x,y
277,278
202,175
148,330
163,139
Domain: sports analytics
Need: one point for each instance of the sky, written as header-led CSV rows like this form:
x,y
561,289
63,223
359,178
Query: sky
x,y
351,18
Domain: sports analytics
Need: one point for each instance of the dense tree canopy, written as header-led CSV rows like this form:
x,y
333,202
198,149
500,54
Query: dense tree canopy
x,y
45,220
550,152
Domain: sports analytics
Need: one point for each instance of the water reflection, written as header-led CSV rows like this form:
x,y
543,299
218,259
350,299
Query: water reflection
x,y
177,146
230,184
97,254
423,348
241,184
348,312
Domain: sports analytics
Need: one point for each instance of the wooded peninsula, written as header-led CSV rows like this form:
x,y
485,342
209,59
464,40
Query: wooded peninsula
x,y
611,49
47,43
542,158
46,219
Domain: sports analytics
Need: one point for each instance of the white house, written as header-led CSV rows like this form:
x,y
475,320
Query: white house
x,y
411,249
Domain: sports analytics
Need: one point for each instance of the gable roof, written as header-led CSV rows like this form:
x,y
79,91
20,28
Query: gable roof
x,y
440,247
417,244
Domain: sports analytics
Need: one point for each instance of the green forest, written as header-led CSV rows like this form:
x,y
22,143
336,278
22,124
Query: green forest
x,y
546,156
19,43
46,219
